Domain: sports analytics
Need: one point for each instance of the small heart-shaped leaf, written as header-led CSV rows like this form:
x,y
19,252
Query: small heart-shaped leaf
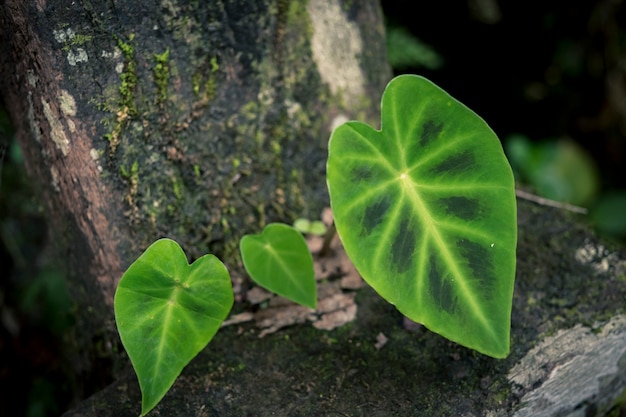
x,y
279,260
167,311
426,210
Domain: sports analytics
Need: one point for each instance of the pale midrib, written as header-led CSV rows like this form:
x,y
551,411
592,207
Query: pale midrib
x,y
285,269
166,325
445,253
166,300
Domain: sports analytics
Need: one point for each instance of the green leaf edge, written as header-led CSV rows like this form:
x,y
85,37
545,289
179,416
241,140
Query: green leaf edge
x,y
302,246
493,353
180,255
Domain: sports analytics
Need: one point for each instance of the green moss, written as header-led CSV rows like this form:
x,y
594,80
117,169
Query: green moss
x,y
196,81
210,85
204,81
124,107
616,409
177,187
128,77
76,40
210,88
81,39
132,177
130,174
295,187
214,65
276,148
161,71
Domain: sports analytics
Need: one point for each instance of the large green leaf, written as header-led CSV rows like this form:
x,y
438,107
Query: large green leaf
x,y
425,208
167,311
279,260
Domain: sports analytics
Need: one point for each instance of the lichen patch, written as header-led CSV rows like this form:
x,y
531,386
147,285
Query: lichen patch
x,y
95,156
68,104
32,78
598,257
34,129
54,174
70,41
77,56
63,35
336,43
56,129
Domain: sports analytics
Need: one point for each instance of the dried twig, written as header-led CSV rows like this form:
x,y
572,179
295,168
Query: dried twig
x,y
546,202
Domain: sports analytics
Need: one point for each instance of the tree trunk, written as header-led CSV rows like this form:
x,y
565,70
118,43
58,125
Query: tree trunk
x,y
199,121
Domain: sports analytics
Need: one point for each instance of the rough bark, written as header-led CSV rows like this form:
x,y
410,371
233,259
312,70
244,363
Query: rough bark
x,y
199,121
568,354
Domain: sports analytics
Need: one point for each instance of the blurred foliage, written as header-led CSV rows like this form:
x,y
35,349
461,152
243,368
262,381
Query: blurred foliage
x,y
556,169
405,50
47,300
35,304
42,398
608,214
306,226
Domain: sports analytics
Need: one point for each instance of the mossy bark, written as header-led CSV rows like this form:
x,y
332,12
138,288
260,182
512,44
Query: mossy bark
x,y
199,121
568,356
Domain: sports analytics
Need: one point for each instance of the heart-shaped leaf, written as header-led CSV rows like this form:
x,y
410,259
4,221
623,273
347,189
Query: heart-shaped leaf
x,y
279,260
167,311
426,210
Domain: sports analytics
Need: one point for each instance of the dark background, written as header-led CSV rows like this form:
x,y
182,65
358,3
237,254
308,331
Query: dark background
x,y
545,71
553,72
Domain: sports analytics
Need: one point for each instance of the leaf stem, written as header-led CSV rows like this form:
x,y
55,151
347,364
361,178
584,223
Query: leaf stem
x,y
328,238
